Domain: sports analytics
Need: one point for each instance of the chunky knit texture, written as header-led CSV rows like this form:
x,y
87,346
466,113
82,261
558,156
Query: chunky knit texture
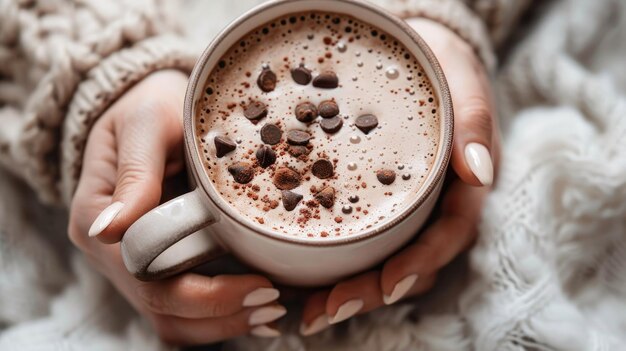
x,y
548,272
62,63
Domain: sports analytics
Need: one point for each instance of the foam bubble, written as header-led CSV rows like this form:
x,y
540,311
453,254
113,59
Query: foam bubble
x,y
355,139
392,72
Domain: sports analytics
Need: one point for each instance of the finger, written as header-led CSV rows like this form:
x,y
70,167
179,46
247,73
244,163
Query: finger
x,y
438,245
474,125
147,136
197,296
96,183
314,317
352,296
473,138
185,332
363,294
269,330
141,168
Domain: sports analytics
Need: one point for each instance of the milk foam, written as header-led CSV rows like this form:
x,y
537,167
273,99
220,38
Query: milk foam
x,y
377,76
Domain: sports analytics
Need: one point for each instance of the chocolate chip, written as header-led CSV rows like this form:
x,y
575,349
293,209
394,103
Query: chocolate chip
x,y
386,176
242,172
306,112
326,197
298,137
223,145
328,109
298,150
291,199
331,125
301,75
267,80
326,80
323,168
271,134
286,178
255,110
366,123
266,156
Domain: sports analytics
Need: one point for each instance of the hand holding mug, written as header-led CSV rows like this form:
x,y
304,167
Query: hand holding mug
x,y
311,159
127,174
134,147
413,270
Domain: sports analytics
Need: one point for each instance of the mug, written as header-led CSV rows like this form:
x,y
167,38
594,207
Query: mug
x,y
198,226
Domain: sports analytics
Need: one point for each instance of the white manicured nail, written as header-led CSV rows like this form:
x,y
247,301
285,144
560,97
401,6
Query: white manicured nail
x,y
264,331
105,218
320,323
347,310
260,296
266,314
400,289
479,160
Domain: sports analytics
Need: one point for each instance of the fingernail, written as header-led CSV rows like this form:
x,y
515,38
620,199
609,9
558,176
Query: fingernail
x,y
260,296
266,314
105,218
400,289
479,160
265,331
320,323
347,310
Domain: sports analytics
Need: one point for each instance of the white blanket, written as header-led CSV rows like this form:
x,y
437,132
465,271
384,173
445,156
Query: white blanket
x,y
549,269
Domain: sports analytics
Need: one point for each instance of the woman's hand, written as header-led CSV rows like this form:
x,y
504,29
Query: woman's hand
x,y
414,269
133,148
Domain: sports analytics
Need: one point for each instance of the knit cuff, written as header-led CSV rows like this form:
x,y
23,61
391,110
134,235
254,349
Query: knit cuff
x,y
455,15
103,85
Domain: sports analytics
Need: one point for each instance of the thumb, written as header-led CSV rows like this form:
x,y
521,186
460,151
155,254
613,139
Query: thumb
x,y
475,141
145,141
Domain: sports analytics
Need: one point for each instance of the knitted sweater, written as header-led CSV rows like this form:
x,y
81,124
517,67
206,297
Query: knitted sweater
x,y
547,272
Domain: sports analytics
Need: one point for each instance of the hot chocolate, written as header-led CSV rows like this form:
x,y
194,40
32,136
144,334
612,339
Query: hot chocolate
x,y
318,125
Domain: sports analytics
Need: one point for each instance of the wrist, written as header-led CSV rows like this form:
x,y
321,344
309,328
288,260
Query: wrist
x,y
104,84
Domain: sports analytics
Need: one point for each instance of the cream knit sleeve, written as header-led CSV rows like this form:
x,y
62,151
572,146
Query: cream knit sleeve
x,y
484,24
62,63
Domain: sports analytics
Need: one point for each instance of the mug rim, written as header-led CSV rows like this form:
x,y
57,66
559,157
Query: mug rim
x,y
196,166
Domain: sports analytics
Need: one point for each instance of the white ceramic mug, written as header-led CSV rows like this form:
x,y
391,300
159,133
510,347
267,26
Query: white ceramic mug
x,y
198,226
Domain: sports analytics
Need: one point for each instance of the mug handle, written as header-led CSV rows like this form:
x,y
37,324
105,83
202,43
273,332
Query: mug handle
x,y
154,246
